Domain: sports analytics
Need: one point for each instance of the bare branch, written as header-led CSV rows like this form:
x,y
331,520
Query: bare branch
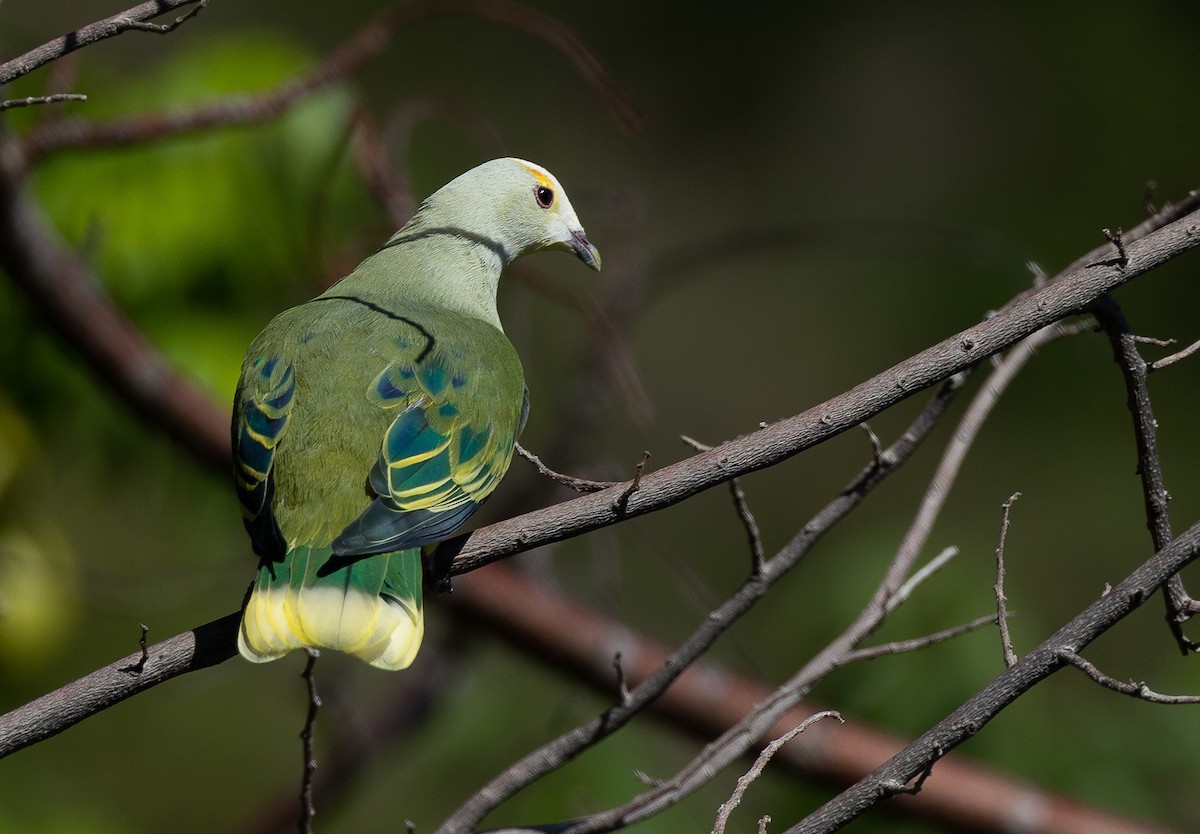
x,y
740,736
128,20
760,764
1009,685
551,755
1137,690
1180,606
1010,656
529,613
29,101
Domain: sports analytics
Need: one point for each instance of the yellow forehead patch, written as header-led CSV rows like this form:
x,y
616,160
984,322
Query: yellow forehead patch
x,y
539,174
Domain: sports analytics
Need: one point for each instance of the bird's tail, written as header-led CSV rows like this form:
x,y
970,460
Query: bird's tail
x,y
370,608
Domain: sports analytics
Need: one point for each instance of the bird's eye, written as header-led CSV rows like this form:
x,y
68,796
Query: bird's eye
x,y
544,196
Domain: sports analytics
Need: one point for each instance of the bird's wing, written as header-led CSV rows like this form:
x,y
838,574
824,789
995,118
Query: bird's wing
x,y
260,417
440,458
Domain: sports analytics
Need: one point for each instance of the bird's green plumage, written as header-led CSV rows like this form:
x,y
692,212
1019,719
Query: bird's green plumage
x,y
374,419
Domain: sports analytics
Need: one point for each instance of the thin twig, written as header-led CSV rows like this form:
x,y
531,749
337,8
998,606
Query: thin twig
x,y
622,683
307,809
355,748
620,503
1116,240
1010,656
29,101
167,28
895,786
577,484
917,643
876,448
1137,690
1012,683
742,507
925,572
137,668
1149,196
760,764
1159,364
1153,340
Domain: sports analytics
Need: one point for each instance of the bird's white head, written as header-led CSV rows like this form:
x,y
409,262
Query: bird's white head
x,y
517,206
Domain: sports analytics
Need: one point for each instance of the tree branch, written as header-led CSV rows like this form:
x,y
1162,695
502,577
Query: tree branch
x,y
129,20
1069,294
1180,606
204,646
741,735
1009,685
552,755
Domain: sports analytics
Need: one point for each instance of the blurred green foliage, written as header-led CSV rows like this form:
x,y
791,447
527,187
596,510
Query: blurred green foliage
x,y
908,160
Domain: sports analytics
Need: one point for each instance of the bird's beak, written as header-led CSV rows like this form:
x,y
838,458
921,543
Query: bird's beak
x,y
584,250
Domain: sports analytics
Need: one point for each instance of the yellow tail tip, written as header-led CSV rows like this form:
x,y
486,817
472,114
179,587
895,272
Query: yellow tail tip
x,y
383,631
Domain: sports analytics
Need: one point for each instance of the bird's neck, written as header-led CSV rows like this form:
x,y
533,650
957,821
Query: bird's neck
x,y
439,267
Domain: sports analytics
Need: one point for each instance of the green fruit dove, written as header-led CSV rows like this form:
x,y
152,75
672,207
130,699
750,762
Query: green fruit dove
x,y
376,418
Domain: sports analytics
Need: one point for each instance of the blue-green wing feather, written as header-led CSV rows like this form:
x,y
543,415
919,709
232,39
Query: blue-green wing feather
x,y
260,418
439,459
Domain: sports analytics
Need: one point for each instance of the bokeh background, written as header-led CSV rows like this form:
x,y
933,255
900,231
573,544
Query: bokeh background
x,y
814,194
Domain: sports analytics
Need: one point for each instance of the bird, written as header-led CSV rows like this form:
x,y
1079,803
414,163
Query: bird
x,y
374,419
